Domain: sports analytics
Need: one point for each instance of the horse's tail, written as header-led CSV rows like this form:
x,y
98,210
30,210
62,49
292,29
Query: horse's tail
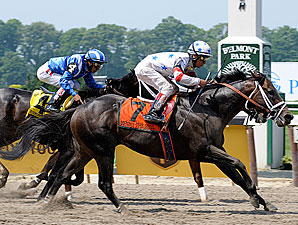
x,y
52,131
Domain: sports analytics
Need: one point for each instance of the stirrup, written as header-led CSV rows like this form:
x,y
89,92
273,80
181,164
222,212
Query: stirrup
x,y
52,108
153,118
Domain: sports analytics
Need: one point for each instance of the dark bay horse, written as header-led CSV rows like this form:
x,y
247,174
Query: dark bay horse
x,y
14,104
93,127
17,100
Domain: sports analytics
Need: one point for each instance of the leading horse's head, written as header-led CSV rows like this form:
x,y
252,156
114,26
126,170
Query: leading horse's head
x,y
271,104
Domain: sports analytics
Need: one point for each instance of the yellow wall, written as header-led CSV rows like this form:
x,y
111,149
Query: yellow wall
x,y
129,162
34,161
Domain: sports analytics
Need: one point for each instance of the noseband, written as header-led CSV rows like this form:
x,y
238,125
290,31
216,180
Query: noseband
x,y
271,110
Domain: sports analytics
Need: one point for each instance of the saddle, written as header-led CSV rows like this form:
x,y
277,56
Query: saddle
x,y
40,99
130,117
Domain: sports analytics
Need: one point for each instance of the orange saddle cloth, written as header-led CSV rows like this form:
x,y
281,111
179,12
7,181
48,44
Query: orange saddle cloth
x,y
132,109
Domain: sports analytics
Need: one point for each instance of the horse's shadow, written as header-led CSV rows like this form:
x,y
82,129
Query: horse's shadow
x,y
258,212
233,201
147,201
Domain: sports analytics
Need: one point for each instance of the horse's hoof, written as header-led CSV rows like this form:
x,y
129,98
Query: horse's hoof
x,y
255,202
122,209
204,200
48,198
68,195
2,182
270,207
40,198
43,176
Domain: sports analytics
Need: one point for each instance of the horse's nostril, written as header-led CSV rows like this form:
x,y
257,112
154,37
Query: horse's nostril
x,y
289,117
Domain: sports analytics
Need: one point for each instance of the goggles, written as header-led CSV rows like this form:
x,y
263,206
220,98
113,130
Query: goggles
x,y
202,58
97,65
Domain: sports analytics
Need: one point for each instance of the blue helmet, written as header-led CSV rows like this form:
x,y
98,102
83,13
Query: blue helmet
x,y
95,55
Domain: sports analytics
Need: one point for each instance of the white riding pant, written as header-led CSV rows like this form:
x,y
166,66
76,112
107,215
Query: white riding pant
x,y
153,78
45,75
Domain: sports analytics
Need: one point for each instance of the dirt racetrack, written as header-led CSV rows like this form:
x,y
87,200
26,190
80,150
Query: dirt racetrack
x,y
156,200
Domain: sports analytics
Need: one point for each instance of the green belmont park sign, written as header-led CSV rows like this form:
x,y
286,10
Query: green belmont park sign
x,y
245,57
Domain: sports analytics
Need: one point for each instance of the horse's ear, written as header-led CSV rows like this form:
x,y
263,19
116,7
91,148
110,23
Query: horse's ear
x,y
255,74
109,81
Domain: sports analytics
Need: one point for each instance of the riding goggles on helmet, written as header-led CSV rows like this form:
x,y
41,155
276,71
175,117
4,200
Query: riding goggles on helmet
x,y
97,64
202,58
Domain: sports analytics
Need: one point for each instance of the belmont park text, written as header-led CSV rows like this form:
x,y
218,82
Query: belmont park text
x,y
240,48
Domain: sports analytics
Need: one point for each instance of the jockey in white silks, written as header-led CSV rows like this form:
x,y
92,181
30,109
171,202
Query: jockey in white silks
x,y
156,69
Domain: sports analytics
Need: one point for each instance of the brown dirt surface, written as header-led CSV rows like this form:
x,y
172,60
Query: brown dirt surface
x,y
155,200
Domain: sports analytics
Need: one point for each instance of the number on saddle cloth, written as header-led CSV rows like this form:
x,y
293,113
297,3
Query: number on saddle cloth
x,y
129,117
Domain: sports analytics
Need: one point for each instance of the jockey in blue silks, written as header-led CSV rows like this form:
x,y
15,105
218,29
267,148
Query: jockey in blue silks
x,y
63,72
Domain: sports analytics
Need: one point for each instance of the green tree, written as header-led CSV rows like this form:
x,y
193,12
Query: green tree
x,y
213,36
137,46
13,69
284,42
70,42
39,43
10,35
110,39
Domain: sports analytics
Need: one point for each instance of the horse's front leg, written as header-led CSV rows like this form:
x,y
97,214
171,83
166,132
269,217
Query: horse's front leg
x,y
3,175
105,180
230,166
197,175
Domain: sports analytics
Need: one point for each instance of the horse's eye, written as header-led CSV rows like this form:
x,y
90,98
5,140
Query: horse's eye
x,y
271,92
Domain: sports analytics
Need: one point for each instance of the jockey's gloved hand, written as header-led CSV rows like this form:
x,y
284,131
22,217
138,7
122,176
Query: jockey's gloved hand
x,y
202,83
78,99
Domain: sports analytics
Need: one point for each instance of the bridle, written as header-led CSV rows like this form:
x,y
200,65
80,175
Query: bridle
x,y
273,111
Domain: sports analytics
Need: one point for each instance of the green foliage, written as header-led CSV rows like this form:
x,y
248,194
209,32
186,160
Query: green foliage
x,y
286,163
13,69
10,36
284,41
286,159
23,48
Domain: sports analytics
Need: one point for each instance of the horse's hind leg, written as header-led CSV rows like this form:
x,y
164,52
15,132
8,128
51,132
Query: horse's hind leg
x,y
105,178
63,158
79,179
3,175
197,174
77,163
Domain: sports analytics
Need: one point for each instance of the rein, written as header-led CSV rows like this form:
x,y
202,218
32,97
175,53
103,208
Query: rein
x,y
270,107
246,97
117,92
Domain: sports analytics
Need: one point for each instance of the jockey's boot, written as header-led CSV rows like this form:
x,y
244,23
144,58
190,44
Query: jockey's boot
x,y
53,106
56,100
155,114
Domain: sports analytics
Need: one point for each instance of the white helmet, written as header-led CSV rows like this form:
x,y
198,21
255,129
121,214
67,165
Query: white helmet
x,y
199,48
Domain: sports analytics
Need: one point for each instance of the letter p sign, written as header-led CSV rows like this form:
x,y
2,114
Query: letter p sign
x,y
293,84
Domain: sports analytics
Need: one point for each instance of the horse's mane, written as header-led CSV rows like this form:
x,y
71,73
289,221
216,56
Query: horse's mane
x,y
129,76
236,75
126,79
